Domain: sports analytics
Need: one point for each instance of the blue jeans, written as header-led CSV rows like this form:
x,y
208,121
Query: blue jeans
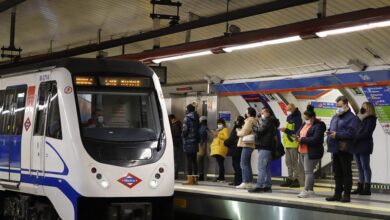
x,y
363,165
264,168
247,176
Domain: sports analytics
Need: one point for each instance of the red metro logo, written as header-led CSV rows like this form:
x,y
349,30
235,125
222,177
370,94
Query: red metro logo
x,y
130,180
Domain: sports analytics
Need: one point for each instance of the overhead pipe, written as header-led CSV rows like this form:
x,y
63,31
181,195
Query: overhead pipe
x,y
306,29
202,22
7,4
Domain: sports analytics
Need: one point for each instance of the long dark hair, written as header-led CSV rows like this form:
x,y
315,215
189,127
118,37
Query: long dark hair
x,y
240,121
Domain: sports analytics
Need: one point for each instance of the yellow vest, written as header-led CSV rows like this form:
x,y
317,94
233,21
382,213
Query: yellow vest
x,y
285,140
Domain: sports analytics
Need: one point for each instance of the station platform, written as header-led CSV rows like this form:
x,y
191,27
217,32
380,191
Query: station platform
x,y
210,200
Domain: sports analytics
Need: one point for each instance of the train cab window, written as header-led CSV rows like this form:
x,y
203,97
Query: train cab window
x,y
111,116
47,110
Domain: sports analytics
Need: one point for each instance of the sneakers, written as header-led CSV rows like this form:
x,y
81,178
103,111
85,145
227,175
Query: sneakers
x,y
295,184
244,186
287,183
219,180
306,194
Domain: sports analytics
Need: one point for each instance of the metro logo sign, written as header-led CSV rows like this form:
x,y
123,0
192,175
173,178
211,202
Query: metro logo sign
x,y
130,180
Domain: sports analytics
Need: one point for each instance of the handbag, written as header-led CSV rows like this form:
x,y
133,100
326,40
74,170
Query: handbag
x,y
278,149
343,145
248,139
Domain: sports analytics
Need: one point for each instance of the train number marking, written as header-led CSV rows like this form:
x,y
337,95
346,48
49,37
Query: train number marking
x,y
130,180
27,124
68,90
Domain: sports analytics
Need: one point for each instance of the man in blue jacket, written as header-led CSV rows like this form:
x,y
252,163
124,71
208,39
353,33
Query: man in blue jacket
x,y
340,138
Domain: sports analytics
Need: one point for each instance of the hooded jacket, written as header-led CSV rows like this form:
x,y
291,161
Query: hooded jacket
x,y
190,134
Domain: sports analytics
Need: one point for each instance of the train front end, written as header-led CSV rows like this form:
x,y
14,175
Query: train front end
x,y
126,164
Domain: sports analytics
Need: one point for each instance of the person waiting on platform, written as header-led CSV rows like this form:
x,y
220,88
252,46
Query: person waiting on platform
x,y
247,142
176,128
96,121
218,148
190,136
203,134
341,133
235,152
265,143
311,148
293,124
363,147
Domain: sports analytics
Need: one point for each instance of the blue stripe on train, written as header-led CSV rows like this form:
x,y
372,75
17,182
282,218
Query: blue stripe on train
x,y
10,150
10,156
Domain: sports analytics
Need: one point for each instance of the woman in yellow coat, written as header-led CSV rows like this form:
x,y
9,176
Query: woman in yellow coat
x,y
218,148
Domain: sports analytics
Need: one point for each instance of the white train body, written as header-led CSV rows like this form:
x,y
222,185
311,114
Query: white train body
x,y
115,169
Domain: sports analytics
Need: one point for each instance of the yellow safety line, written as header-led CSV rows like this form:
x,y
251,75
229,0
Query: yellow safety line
x,y
269,196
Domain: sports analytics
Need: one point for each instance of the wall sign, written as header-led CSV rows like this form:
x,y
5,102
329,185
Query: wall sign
x,y
379,96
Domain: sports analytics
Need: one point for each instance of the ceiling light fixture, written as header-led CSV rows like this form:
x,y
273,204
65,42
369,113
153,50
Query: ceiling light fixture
x,y
184,56
263,43
353,28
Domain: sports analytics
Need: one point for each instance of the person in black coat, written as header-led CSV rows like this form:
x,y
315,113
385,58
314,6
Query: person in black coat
x,y
265,142
176,129
234,151
363,147
311,148
190,136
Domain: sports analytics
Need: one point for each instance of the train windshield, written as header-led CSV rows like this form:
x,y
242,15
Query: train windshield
x,y
113,116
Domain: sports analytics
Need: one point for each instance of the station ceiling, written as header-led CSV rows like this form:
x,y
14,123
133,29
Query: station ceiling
x,y
72,23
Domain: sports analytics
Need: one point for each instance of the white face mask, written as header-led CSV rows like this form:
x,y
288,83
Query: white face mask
x,y
308,121
100,119
289,112
263,117
220,126
340,110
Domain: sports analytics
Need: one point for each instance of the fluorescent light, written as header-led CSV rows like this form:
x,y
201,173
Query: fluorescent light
x,y
263,43
342,30
203,53
353,28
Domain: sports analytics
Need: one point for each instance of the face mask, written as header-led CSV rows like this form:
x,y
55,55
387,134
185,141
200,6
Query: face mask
x,y
289,112
263,117
100,119
308,121
339,110
219,126
363,110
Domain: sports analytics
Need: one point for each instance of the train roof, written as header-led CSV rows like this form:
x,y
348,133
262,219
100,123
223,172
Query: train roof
x,y
84,65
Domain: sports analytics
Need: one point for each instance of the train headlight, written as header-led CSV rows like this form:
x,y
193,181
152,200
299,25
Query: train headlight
x,y
153,183
105,184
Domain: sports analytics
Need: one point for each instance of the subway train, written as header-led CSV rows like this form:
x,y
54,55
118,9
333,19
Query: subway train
x,y
84,139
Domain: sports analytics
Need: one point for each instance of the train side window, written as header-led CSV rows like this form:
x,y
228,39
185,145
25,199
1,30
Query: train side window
x,y
19,110
53,128
43,94
7,116
47,108
2,92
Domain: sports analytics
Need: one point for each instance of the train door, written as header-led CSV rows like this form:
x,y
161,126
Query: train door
x,y
11,126
47,128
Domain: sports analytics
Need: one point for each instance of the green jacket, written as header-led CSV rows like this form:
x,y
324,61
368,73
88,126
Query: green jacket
x,y
289,141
